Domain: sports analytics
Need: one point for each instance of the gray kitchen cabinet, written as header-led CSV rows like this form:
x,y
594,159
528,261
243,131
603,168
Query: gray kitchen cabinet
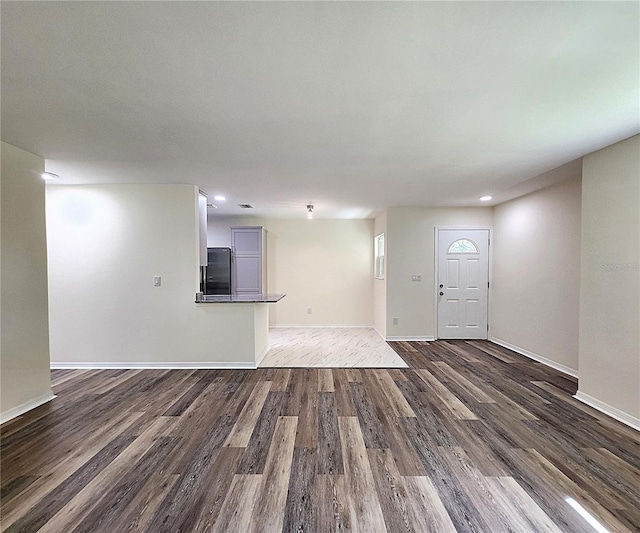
x,y
249,246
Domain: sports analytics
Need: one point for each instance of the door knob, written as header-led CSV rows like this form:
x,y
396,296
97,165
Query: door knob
x,y
441,285
441,293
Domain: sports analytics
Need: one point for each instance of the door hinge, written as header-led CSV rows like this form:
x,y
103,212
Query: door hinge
x,y
488,283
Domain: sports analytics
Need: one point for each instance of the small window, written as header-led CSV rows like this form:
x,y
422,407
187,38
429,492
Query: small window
x,y
463,246
378,266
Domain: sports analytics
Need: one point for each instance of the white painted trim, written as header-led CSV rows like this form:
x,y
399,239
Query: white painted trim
x,y
548,362
25,407
262,356
152,365
381,335
613,412
323,326
424,338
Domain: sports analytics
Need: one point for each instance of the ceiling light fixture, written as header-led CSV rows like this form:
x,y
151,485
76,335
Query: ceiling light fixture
x,y
49,176
309,211
219,198
485,198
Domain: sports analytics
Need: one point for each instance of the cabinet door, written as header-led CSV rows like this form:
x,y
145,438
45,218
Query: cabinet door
x,y
248,274
247,241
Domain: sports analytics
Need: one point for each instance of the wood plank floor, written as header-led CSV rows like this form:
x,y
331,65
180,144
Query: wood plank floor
x,y
470,437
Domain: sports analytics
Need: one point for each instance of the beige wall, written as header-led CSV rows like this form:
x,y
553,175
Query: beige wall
x,y
610,289
325,265
106,243
536,274
380,285
24,340
410,250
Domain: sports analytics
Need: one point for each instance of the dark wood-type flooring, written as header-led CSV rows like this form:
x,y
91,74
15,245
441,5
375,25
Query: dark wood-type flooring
x,y
471,437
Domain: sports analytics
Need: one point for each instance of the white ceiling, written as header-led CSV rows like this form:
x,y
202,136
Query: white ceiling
x,y
353,107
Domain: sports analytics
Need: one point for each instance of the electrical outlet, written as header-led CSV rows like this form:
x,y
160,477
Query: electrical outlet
x,y
157,281
308,310
395,320
416,277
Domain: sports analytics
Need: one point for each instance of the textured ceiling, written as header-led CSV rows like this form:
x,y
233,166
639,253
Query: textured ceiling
x,y
353,107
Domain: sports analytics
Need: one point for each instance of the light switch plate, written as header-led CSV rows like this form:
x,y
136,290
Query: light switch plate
x,y
157,281
416,277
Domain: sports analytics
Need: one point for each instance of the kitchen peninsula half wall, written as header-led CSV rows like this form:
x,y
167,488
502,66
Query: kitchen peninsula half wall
x,y
241,321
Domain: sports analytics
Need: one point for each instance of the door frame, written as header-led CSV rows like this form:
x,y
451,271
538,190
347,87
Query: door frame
x,y
437,272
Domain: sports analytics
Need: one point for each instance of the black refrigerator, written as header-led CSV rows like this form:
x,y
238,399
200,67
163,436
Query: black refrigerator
x,y
216,276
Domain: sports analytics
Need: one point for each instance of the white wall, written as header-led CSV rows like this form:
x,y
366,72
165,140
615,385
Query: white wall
x,y
410,250
325,265
106,243
25,380
536,274
610,287
380,285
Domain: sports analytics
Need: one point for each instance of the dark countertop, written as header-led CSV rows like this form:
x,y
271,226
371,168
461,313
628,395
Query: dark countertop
x,y
238,298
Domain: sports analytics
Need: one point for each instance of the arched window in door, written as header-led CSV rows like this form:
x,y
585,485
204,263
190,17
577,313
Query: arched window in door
x,y
463,246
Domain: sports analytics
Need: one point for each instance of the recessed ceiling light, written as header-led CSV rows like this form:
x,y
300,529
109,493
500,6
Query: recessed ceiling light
x,y
49,176
485,198
219,198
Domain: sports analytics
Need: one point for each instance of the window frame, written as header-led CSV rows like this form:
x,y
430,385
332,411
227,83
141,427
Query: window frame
x,y
378,258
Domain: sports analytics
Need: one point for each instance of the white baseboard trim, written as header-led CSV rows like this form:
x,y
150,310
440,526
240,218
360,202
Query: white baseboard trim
x,y
26,406
262,356
152,366
409,339
557,366
322,326
613,412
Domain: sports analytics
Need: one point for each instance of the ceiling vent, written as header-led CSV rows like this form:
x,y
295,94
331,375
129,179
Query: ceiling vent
x,y
245,206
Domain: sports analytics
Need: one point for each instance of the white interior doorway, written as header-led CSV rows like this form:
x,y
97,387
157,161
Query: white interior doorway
x,y
462,282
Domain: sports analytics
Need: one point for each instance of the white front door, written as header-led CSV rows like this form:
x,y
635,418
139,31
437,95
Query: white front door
x,y
462,283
